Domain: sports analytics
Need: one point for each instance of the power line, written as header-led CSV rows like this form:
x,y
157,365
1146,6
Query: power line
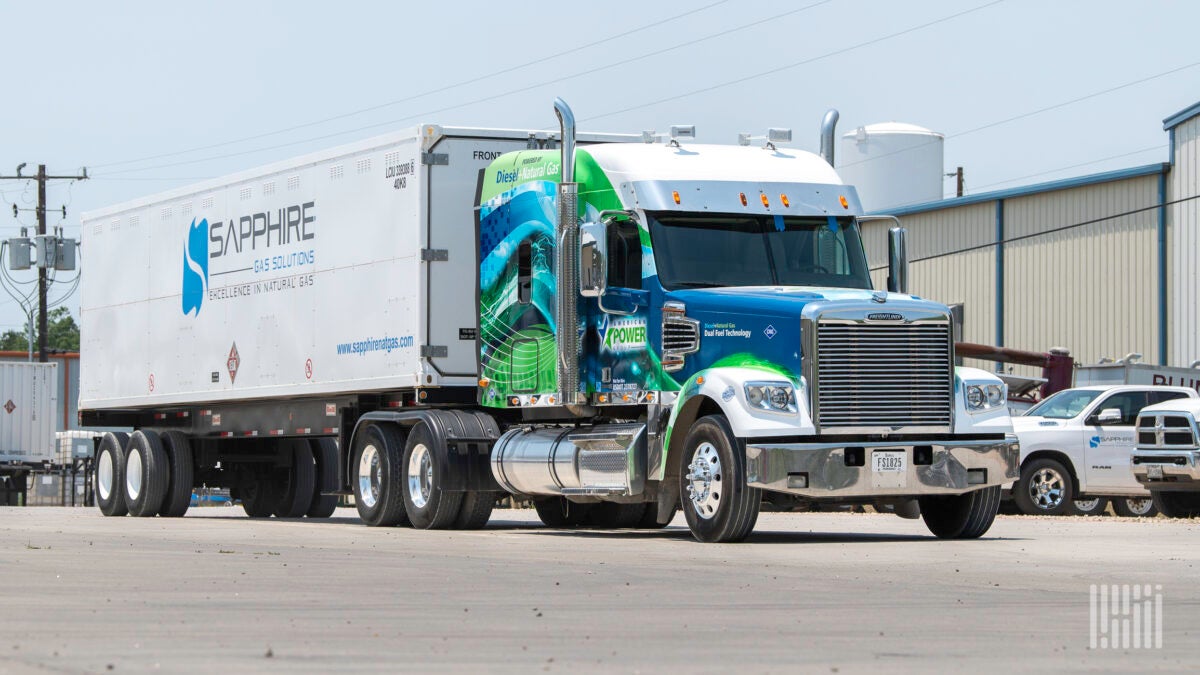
x,y
1074,166
423,94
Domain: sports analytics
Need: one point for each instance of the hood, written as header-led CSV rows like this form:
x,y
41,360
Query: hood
x,y
1027,423
778,300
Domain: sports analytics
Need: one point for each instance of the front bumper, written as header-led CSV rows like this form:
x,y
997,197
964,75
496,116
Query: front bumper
x,y
1167,470
837,470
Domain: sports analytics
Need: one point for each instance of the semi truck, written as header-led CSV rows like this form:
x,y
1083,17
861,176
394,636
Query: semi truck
x,y
613,327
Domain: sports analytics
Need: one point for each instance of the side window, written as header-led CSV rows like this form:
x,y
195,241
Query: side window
x,y
1130,403
624,255
525,273
1162,396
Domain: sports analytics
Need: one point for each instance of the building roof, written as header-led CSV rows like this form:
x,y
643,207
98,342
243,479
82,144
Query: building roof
x,y
1181,116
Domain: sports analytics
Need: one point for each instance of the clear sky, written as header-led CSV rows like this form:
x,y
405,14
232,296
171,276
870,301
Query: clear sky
x,y
1025,90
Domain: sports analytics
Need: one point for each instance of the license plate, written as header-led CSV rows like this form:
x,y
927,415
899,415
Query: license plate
x,y
889,468
1154,472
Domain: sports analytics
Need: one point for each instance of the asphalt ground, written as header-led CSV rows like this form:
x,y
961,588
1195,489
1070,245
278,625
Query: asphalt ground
x,y
806,593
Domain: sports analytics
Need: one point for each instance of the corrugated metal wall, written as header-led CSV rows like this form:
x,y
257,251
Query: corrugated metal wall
x,y
1184,246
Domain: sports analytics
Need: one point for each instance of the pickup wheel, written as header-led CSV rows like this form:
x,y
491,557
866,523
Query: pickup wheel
x,y
295,491
325,454
429,507
965,516
717,502
1089,507
179,487
146,473
110,474
378,476
1178,504
1135,507
561,512
1044,489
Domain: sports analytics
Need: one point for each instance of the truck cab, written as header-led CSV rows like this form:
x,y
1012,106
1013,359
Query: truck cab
x,y
1076,447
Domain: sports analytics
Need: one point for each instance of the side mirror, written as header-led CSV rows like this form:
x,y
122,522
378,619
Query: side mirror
x,y
897,260
1109,416
593,259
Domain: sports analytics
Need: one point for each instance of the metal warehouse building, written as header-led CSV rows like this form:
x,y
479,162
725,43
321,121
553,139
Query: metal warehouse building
x,y
1103,265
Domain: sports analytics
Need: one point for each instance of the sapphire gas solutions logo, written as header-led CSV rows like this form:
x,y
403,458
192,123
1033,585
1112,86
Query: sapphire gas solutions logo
x,y
195,267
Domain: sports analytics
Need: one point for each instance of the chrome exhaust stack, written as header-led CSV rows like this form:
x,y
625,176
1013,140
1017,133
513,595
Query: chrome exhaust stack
x,y
566,266
828,127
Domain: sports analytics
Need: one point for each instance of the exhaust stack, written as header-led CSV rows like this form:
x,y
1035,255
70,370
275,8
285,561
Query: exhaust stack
x,y
828,126
566,265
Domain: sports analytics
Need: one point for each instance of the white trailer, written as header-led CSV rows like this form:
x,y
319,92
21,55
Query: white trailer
x,y
28,399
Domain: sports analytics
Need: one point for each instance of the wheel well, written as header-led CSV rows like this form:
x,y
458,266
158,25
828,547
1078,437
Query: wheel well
x,y
1059,457
694,409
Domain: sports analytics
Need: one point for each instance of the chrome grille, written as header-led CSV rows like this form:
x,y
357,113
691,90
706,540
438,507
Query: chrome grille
x,y
1165,430
884,375
680,336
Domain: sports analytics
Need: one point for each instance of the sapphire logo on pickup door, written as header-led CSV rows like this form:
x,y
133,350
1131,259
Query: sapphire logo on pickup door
x,y
195,266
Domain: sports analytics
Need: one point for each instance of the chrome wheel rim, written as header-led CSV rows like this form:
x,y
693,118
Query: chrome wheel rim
x,y
1139,507
420,475
368,476
1087,505
133,475
1046,489
104,475
705,481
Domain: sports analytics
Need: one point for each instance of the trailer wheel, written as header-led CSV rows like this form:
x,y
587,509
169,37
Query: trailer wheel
x,y
965,516
717,502
147,473
325,454
110,474
649,519
295,485
1178,504
258,496
179,487
1044,489
614,516
377,475
1135,507
1088,507
429,507
475,511
561,512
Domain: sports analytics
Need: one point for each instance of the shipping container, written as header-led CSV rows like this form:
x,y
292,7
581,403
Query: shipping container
x,y
28,399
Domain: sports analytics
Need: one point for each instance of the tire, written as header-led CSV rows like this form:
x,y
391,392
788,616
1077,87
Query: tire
x,y
259,496
147,474
614,516
717,502
179,487
429,507
1044,489
649,520
475,511
1088,507
325,454
108,477
294,492
965,516
1178,504
1135,507
377,477
561,512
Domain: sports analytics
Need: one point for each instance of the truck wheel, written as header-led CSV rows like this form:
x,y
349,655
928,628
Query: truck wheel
x,y
378,476
258,496
965,516
295,485
717,502
179,487
475,511
110,474
614,516
561,512
429,507
147,473
325,454
649,519
1088,507
1135,507
1044,489
1178,504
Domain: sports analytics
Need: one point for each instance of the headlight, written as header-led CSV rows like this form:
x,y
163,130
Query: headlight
x,y
772,396
984,397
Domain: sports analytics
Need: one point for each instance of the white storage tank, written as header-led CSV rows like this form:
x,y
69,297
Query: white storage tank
x,y
28,399
892,164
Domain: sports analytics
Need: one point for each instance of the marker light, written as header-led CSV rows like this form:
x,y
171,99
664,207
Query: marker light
x,y
742,196
765,201
675,196
700,380
784,199
842,199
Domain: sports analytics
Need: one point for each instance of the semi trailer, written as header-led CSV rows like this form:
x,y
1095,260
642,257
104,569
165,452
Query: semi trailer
x,y
613,327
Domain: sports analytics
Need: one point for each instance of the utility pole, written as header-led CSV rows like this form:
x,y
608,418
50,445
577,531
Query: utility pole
x,y
959,175
41,179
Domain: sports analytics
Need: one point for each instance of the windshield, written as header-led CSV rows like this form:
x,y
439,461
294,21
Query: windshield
x,y
694,250
1063,405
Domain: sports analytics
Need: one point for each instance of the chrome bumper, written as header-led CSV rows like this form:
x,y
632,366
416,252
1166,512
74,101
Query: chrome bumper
x,y
1167,469
834,470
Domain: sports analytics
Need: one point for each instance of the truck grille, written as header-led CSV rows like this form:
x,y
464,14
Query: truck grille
x,y
1175,430
871,375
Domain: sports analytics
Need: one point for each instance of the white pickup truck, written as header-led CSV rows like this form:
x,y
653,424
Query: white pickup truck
x,y
1167,458
1076,449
